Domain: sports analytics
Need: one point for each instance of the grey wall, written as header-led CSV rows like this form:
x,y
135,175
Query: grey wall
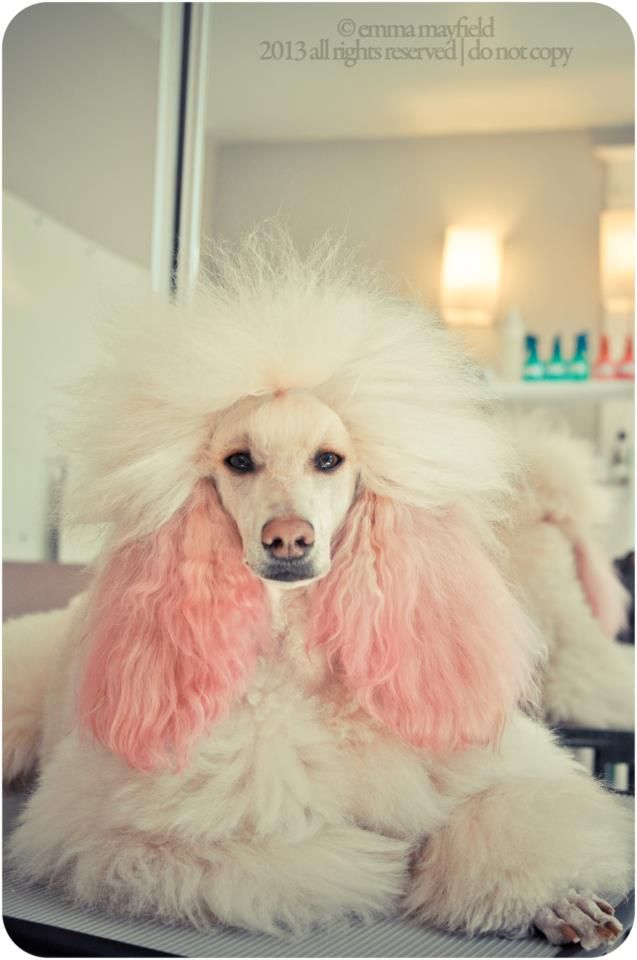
x,y
542,191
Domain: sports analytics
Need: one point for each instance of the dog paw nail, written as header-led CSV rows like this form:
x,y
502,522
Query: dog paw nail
x,y
570,933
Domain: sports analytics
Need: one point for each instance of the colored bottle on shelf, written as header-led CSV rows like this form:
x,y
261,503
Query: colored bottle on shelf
x,y
512,346
556,369
625,369
603,368
533,366
579,366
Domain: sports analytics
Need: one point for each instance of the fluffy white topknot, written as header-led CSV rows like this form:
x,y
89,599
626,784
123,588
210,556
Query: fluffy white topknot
x,y
267,319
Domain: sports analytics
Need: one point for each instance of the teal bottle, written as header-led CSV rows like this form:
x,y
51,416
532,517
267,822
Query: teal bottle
x,y
556,368
579,367
533,366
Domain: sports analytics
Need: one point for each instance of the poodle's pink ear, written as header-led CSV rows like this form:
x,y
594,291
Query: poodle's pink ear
x,y
420,625
605,595
173,632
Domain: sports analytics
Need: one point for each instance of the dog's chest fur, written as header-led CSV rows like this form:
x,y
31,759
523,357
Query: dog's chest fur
x,y
297,752
293,754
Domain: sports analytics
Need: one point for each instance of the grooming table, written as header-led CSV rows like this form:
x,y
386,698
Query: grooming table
x,y
44,923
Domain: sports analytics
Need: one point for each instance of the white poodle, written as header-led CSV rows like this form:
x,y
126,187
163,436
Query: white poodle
x,y
555,552
291,693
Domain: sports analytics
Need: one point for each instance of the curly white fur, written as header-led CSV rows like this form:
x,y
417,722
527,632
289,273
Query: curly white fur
x,y
553,535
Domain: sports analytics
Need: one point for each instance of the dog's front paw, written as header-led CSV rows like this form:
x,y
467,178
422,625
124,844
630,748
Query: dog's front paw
x,y
582,918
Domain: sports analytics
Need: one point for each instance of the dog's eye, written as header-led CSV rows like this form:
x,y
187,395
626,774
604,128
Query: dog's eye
x,y
327,460
240,462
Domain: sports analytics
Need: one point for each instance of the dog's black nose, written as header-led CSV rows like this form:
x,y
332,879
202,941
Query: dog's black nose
x,y
287,538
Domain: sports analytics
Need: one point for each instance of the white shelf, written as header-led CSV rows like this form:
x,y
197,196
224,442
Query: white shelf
x,y
594,390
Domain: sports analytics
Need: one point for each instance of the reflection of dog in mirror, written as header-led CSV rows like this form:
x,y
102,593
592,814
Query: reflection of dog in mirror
x,y
290,694
555,537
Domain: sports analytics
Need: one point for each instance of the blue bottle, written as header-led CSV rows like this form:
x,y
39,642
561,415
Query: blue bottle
x,y
556,369
533,366
579,367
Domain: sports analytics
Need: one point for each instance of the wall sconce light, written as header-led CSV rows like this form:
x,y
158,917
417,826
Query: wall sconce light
x,y
470,277
617,260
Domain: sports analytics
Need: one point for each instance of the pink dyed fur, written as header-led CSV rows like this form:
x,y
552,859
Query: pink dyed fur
x,y
422,627
413,615
603,591
176,624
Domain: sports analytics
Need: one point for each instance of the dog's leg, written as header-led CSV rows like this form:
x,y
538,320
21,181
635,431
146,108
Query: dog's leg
x,y
81,835
340,871
31,648
512,854
267,885
579,918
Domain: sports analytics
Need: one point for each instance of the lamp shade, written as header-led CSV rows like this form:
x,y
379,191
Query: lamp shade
x,y
470,277
617,260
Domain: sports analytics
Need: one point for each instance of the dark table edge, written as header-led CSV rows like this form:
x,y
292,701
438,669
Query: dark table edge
x,y
44,940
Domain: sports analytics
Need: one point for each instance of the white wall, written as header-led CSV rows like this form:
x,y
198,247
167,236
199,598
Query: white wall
x,y
542,191
55,284
80,109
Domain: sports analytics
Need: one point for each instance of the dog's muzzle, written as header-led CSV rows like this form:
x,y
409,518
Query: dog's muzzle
x,y
288,542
